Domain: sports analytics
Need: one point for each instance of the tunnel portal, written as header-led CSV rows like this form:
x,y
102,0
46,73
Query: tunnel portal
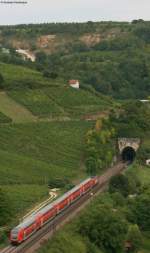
x,y
128,154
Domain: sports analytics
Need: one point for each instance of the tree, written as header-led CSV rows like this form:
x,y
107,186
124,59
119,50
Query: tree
x,y
120,184
118,199
93,165
49,74
134,237
141,211
1,81
105,228
5,208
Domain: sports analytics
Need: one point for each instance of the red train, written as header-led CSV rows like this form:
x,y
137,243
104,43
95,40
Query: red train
x,y
25,229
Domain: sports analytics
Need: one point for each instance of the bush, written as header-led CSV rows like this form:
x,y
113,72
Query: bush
x,y
120,184
1,81
58,183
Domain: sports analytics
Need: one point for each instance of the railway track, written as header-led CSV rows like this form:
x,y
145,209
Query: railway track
x,y
42,235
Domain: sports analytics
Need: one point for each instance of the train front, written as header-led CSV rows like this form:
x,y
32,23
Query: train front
x,y
16,236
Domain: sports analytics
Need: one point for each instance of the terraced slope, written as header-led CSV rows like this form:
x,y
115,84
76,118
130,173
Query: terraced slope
x,y
37,152
60,101
13,110
34,154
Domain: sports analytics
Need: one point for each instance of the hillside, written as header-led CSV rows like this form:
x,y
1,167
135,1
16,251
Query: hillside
x,y
34,154
46,127
46,98
75,237
42,134
111,57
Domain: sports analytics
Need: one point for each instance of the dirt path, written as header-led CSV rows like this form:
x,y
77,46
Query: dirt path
x,y
15,111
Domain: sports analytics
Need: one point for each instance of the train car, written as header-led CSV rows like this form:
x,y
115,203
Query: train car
x,y
25,229
47,213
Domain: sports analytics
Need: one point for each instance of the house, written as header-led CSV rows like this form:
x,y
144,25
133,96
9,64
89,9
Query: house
x,y
148,162
145,100
74,84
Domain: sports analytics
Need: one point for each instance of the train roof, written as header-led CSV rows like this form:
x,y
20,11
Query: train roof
x,y
55,202
28,221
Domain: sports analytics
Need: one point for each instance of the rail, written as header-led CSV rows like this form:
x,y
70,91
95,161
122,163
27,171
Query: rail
x,y
36,240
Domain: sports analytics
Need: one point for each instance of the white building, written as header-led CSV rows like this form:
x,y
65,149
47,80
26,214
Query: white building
x,y
74,84
148,162
145,100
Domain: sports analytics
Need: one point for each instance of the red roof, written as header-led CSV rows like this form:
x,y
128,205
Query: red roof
x,y
73,81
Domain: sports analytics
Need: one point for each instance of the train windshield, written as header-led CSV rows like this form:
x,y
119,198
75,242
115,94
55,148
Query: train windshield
x,y
14,233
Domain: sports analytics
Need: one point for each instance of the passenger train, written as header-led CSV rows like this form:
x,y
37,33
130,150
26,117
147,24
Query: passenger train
x,y
30,225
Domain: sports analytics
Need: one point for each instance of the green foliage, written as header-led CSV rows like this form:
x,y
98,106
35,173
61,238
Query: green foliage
x,y
133,120
49,74
4,118
134,237
120,184
38,152
1,81
58,183
5,208
118,199
88,51
65,243
60,101
125,184
142,30
141,210
23,197
102,227
99,147
105,228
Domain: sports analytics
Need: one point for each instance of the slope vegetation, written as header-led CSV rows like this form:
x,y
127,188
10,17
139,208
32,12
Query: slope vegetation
x,y
14,110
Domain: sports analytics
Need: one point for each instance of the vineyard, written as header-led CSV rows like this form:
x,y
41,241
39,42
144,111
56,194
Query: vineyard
x,y
41,151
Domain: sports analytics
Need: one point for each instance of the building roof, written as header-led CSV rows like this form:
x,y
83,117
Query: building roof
x,y
73,81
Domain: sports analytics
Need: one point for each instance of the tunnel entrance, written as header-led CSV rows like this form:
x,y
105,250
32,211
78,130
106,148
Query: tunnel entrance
x,y
128,154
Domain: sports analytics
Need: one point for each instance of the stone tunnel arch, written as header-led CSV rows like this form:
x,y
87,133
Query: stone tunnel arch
x,y
128,148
